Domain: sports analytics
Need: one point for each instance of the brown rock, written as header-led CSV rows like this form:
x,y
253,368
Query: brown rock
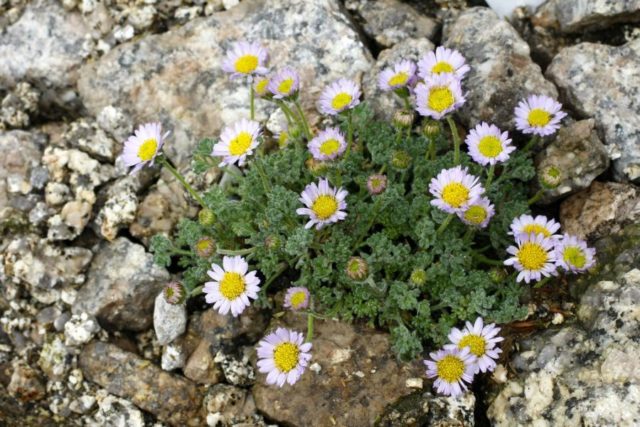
x,y
231,403
26,384
201,367
173,399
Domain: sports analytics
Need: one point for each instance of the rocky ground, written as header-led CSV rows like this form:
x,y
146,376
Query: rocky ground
x,y
85,339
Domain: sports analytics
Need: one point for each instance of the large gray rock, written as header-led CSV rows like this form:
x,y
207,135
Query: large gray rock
x,y
121,286
170,77
44,47
603,82
502,72
579,15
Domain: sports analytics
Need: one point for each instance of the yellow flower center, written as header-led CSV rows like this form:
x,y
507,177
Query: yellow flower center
x,y
490,146
246,64
399,79
450,368
232,285
476,214
285,87
341,100
240,144
440,98
283,139
574,256
203,245
298,299
475,343
442,67
329,147
536,229
286,356
261,86
455,194
532,256
147,149
538,117
325,206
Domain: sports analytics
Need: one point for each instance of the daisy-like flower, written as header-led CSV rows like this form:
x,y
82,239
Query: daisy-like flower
x,y
401,74
533,257
141,148
376,183
261,86
488,145
525,224
442,61
452,368
539,115
245,59
232,286
573,254
328,145
237,142
283,356
285,83
478,214
481,340
324,205
296,298
174,293
341,95
438,96
455,189
357,268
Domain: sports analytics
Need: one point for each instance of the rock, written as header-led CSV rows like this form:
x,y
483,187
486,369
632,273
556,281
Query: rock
x,y
425,409
88,137
55,359
169,320
120,207
83,404
121,284
173,357
171,398
25,384
602,209
357,376
572,16
45,47
20,156
506,8
226,331
18,105
237,368
70,222
113,411
389,22
231,405
602,82
56,193
201,366
580,156
502,72
386,103
154,80
583,374
80,329
116,122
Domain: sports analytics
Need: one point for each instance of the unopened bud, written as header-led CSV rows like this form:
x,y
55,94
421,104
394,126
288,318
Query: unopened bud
x,y
401,159
206,217
431,129
272,242
357,268
418,277
497,274
174,293
403,118
376,184
205,247
550,177
315,166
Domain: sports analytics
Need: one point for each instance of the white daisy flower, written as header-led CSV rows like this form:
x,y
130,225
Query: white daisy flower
x,y
525,224
573,254
488,145
324,205
455,189
481,341
232,286
261,86
533,257
539,115
141,148
285,83
245,59
453,369
237,142
478,214
438,96
283,356
341,95
401,74
328,145
442,61
297,298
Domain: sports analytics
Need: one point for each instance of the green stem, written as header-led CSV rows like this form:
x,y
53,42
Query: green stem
x,y
444,224
233,252
163,160
432,149
542,282
305,123
532,143
282,267
407,104
177,251
468,235
376,208
309,327
349,133
398,136
456,140
195,291
286,110
536,197
312,313
263,175
252,97
492,170
484,260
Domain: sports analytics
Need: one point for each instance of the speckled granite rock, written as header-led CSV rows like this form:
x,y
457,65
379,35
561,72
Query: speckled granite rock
x,y
45,46
173,399
120,207
386,103
20,156
578,15
426,409
600,210
582,374
18,105
389,22
172,75
169,320
352,377
603,82
502,72
121,286
580,156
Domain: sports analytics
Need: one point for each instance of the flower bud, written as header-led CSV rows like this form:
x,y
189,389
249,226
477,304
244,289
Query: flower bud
x,y
272,242
205,247
418,277
497,274
206,217
431,129
376,184
550,177
315,166
260,87
401,159
295,131
357,268
403,119
174,293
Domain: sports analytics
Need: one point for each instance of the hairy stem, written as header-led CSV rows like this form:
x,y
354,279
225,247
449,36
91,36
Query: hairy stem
x,y
456,140
163,160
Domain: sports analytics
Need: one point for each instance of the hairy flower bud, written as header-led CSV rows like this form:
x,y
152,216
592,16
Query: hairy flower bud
x,y
174,293
400,159
205,247
418,277
357,268
431,129
403,118
376,183
550,177
315,166
497,274
206,217
272,242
